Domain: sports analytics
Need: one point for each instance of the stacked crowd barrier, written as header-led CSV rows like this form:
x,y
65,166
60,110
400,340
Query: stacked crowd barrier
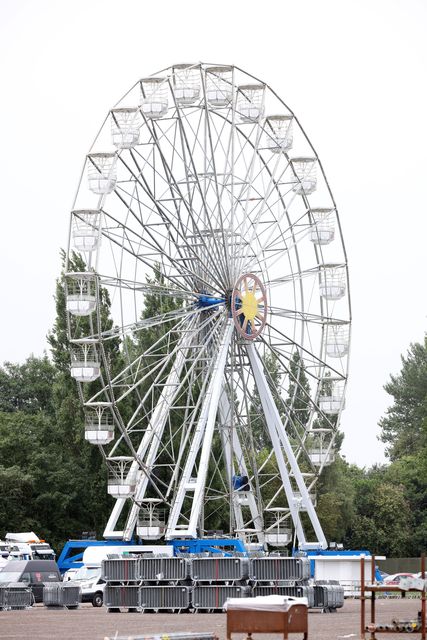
x,y
204,583
62,594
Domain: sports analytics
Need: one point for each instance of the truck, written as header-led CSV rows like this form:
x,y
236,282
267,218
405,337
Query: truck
x,y
27,546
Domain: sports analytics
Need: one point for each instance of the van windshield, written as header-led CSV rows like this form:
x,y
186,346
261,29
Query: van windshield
x,y
10,576
87,573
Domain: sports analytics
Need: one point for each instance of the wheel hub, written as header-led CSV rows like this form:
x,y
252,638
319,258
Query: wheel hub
x,y
249,306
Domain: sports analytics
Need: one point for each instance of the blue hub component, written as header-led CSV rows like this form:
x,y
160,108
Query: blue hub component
x,y
206,301
224,546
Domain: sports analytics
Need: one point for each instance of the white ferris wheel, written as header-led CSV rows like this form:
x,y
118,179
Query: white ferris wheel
x,y
203,214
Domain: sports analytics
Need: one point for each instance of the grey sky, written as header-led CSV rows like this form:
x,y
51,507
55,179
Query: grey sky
x,y
354,72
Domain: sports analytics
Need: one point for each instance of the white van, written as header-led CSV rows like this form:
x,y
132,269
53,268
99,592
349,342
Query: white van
x,y
89,575
91,583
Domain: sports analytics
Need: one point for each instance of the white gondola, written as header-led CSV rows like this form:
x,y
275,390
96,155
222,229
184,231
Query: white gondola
x,y
102,172
331,399
121,479
85,362
186,84
277,533
125,126
154,98
305,181
99,426
279,133
323,226
298,500
219,88
332,282
151,524
321,457
85,229
80,293
250,102
337,340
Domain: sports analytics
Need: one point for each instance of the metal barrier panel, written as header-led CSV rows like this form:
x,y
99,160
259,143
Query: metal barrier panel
x,y
321,596
299,591
121,570
169,569
2,596
219,569
72,594
214,596
116,596
62,594
165,597
329,594
276,569
18,596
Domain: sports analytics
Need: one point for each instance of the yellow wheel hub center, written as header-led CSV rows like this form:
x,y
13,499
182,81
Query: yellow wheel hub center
x,y
249,305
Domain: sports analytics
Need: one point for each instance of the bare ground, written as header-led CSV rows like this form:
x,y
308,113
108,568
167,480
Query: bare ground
x,y
88,623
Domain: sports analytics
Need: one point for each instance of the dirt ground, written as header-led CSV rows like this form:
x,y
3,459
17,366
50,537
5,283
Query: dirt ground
x,y
88,623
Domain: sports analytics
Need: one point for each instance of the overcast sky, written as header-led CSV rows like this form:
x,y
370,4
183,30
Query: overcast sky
x,y
354,73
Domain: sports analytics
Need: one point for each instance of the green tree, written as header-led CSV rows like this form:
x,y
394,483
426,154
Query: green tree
x,y
28,386
403,427
383,521
336,491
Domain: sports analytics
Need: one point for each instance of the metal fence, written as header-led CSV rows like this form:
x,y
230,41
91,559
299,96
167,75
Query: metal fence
x,y
279,569
165,597
328,596
17,596
219,569
120,570
164,569
149,569
62,594
116,596
213,597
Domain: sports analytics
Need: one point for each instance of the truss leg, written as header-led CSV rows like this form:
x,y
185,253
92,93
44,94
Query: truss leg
x,y
281,444
231,445
152,435
203,433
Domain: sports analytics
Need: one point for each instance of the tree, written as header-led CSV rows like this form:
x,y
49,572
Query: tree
x,y
403,428
298,394
383,522
27,387
336,498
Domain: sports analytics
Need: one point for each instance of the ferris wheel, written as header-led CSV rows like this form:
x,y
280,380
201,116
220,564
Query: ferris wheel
x,y
215,384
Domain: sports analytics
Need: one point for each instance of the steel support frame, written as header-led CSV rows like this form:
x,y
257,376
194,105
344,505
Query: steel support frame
x,y
282,447
202,439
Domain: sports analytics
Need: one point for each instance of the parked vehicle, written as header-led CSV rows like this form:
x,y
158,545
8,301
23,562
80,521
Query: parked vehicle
x,y
91,583
395,578
28,546
34,573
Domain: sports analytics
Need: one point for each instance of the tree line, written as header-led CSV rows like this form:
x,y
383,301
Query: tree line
x,y
53,482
